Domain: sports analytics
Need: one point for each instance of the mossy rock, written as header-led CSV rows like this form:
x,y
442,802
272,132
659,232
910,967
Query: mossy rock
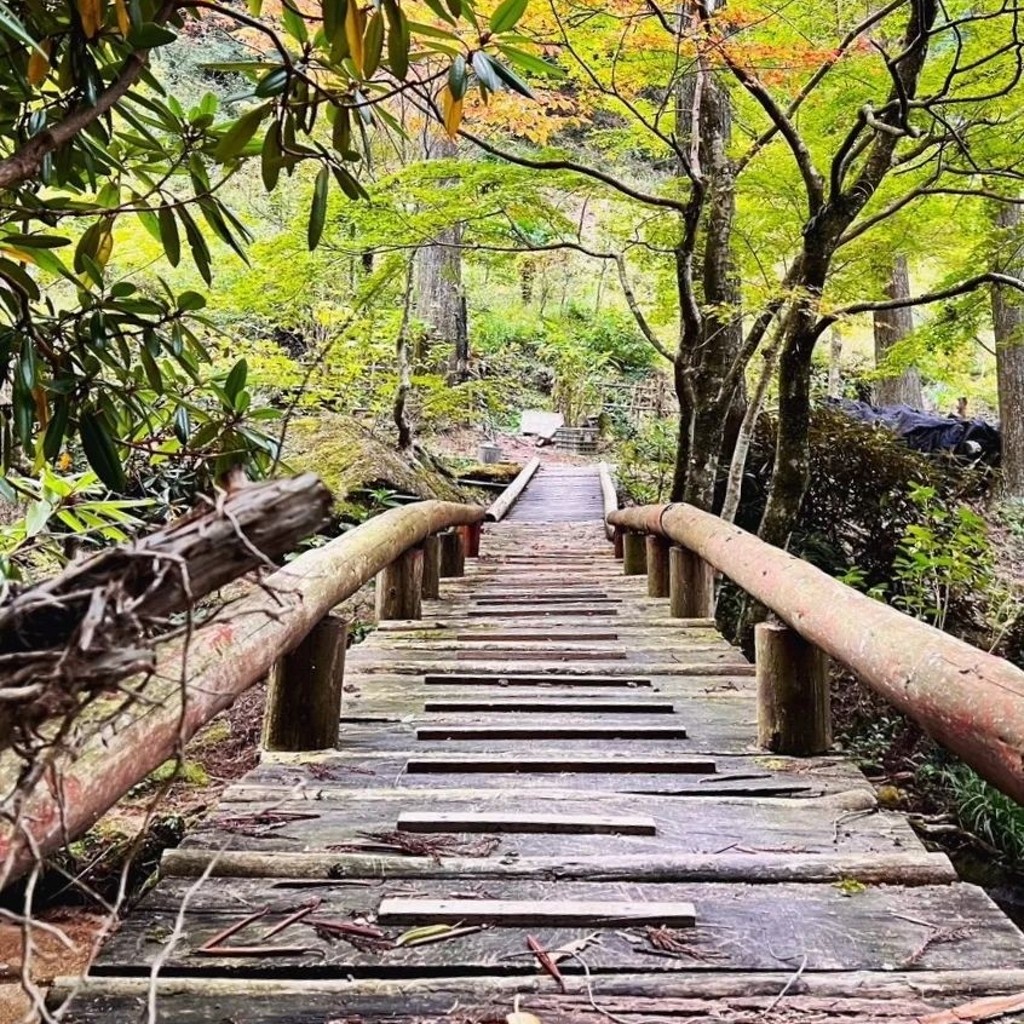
x,y
350,459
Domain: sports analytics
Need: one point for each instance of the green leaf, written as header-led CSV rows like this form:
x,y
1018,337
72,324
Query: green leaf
x,y
234,139
153,374
100,449
273,83
270,157
530,63
457,78
507,15
235,380
182,426
485,71
53,440
35,241
150,35
149,220
11,26
373,44
334,17
191,301
348,184
36,518
169,235
398,39
318,211
512,80
294,23
438,9
197,245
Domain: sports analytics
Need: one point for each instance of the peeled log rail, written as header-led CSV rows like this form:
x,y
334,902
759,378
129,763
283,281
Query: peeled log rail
x,y
609,496
500,507
969,701
224,658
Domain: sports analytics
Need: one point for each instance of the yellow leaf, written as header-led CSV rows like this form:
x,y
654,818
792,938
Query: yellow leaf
x,y
104,246
24,255
91,13
124,23
521,1017
355,26
452,110
39,63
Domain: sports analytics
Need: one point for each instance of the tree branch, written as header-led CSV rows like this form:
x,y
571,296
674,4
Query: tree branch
x,y
638,314
969,285
26,162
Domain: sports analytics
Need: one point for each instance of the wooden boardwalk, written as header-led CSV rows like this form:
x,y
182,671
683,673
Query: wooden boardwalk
x,y
547,759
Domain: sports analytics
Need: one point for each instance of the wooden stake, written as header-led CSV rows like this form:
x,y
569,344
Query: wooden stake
x,y
304,695
431,588
793,707
617,543
471,539
399,587
634,554
657,566
691,585
453,557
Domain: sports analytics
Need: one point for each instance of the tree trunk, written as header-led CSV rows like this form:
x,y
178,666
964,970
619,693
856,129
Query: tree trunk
x,y
1008,325
401,416
835,366
891,327
440,298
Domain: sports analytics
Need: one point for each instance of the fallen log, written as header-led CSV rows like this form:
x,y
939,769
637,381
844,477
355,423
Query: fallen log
x,y
87,627
122,740
499,508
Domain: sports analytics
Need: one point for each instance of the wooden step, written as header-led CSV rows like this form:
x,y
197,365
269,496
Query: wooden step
x,y
511,679
564,705
559,764
510,821
550,732
535,913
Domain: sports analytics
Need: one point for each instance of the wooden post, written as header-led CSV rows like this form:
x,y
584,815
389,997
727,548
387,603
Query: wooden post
x,y
793,704
399,587
657,566
453,557
471,539
304,695
691,585
634,554
431,588
617,542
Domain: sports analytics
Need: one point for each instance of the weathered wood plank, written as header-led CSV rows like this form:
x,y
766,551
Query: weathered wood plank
x,y
581,824
516,679
552,732
441,765
564,705
536,914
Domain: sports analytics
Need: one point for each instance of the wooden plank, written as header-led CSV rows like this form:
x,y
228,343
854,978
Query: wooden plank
x,y
528,611
488,636
513,654
551,732
559,763
515,679
535,913
557,824
564,705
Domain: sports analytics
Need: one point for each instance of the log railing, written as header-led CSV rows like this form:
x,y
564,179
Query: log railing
x,y
969,701
284,626
499,508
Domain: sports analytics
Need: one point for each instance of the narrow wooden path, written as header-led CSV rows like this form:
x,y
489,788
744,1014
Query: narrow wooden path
x,y
547,759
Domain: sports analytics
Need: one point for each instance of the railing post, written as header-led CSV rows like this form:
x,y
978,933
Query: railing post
x,y
617,542
657,566
399,585
453,555
793,702
431,587
304,694
691,585
634,554
471,539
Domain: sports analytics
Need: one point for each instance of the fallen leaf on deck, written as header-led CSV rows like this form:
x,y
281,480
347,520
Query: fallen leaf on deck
x,y
989,1008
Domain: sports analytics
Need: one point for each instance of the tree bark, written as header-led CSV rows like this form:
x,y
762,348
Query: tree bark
x,y
1008,326
835,365
891,327
402,358
440,297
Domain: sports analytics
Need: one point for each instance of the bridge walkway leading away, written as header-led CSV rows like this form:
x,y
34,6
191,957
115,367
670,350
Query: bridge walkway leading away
x,y
548,762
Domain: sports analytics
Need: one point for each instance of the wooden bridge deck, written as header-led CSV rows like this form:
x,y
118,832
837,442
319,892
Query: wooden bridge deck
x,y
548,757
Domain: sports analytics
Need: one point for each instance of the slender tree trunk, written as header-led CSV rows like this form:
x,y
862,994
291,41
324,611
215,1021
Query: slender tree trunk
x,y
891,327
402,357
1008,326
738,465
835,364
440,297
